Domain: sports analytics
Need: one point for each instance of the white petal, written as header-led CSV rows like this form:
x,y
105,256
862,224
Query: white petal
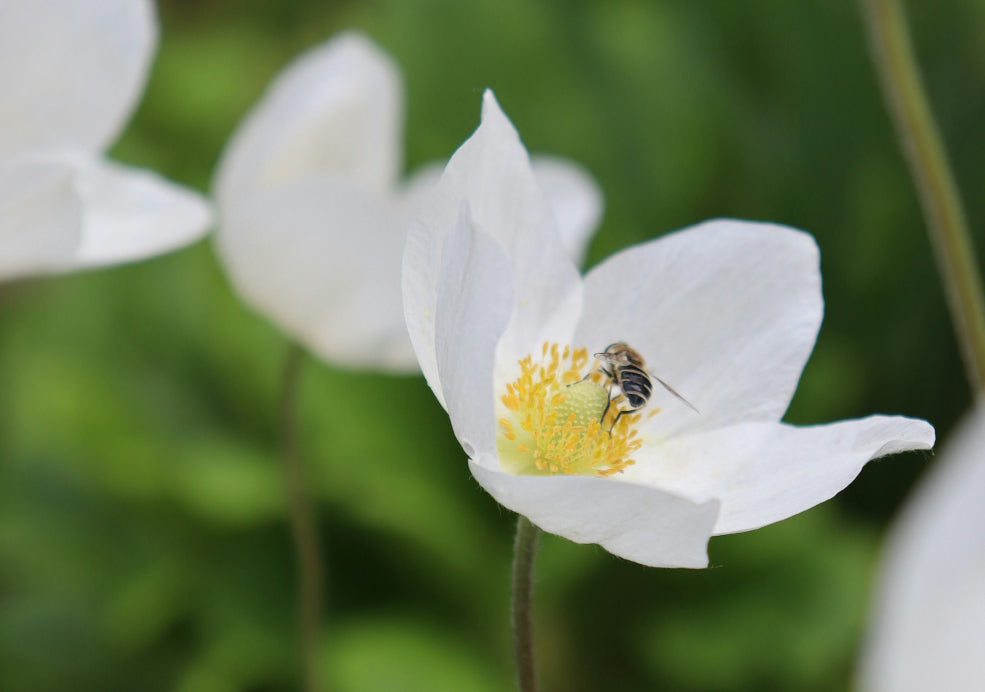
x,y
71,71
472,311
335,111
40,218
929,620
321,259
575,198
765,472
132,213
725,312
645,525
491,171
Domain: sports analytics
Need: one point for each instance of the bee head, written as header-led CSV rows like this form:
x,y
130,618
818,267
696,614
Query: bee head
x,y
620,354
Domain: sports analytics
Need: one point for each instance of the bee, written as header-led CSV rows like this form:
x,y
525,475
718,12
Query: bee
x,y
625,368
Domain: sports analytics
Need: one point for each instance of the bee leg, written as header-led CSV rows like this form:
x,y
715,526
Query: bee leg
x,y
608,403
606,410
592,372
618,416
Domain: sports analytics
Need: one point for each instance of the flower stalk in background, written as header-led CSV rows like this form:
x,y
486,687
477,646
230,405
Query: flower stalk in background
x,y
920,139
928,622
726,311
71,74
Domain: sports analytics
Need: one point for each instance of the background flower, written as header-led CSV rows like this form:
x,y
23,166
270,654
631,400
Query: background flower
x,y
929,618
71,73
313,214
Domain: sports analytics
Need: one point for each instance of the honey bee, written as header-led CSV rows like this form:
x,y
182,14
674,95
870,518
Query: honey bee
x,y
625,368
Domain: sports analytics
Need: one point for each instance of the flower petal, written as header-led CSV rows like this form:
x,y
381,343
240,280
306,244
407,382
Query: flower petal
x,y
71,72
765,472
131,213
40,218
321,259
929,619
472,311
335,111
575,198
726,312
491,170
649,526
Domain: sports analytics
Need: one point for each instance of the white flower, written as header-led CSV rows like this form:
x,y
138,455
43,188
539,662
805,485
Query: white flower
x,y
929,619
313,215
726,312
71,72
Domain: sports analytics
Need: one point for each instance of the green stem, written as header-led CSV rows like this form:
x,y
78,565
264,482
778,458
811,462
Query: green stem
x,y
303,527
524,549
892,50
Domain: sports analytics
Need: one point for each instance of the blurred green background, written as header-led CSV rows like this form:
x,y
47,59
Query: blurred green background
x,y
143,535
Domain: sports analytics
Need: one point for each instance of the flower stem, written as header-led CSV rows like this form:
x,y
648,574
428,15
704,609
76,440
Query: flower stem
x,y
524,549
303,528
892,51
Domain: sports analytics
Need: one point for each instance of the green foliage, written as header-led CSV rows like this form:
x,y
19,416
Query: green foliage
x,y
143,536
404,655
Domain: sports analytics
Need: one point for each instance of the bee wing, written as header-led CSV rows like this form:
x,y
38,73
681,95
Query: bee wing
x,y
675,393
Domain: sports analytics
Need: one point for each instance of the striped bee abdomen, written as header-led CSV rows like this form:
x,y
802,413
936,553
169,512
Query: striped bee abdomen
x,y
635,385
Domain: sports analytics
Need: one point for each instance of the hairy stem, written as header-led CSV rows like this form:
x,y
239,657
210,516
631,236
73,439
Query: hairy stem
x,y
304,530
524,550
892,50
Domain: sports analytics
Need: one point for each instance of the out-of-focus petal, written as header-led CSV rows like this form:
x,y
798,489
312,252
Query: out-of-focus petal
x,y
725,312
40,218
473,308
132,213
929,620
575,198
71,71
412,194
765,472
330,280
649,526
491,171
335,111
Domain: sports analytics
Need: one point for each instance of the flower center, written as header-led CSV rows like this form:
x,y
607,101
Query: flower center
x,y
554,419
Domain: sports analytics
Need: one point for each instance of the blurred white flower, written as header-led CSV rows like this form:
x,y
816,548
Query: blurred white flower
x,y
71,72
928,624
313,213
726,311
